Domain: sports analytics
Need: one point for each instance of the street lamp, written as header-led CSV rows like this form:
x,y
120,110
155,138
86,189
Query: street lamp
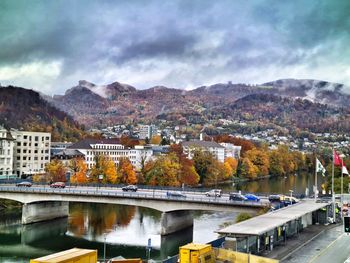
x,y
104,247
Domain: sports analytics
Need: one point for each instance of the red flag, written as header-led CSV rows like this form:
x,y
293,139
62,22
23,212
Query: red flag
x,y
337,159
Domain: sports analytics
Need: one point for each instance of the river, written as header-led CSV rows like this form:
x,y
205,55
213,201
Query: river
x,y
124,229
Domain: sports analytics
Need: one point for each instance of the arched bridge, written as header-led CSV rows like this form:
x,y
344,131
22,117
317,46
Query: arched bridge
x,y
44,203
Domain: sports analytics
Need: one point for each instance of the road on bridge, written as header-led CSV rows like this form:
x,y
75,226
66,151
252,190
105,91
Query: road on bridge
x,y
141,192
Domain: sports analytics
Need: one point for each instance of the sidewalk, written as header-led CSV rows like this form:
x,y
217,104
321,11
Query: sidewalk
x,y
293,244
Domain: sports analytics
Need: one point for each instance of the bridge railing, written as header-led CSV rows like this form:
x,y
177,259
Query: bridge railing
x,y
199,190
152,195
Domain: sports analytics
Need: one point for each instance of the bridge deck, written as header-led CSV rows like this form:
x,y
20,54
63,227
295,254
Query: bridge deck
x,y
264,223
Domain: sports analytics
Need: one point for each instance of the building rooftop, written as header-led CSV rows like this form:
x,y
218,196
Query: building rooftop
x,y
204,144
86,143
266,222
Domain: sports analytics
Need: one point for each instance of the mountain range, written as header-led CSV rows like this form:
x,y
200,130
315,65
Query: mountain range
x,y
94,105
293,103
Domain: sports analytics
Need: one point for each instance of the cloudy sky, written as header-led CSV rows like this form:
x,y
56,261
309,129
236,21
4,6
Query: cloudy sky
x,y
50,45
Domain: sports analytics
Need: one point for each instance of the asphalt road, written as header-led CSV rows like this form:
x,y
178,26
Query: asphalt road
x,y
151,193
337,251
331,246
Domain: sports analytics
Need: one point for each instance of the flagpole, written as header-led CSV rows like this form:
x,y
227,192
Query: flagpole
x,y
315,189
333,196
341,191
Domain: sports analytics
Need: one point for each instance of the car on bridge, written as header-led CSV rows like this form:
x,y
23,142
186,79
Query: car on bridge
x,y
214,192
252,197
175,194
58,185
131,188
237,197
24,184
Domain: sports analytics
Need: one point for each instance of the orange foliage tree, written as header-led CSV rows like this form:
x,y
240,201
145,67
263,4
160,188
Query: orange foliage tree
x,y
127,172
232,163
79,168
56,171
188,174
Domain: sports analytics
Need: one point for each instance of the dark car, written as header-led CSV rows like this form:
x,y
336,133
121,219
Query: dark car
x,y
24,184
175,194
237,197
131,188
58,185
252,197
274,198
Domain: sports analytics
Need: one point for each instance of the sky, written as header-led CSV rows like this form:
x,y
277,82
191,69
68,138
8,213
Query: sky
x,y
50,45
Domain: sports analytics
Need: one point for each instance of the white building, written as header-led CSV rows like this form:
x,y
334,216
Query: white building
x,y
232,150
6,153
31,152
213,147
113,149
147,131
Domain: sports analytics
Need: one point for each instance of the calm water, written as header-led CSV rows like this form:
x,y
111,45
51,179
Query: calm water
x,y
125,228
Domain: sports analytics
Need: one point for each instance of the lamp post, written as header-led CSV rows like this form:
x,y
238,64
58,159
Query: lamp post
x,y
291,193
104,247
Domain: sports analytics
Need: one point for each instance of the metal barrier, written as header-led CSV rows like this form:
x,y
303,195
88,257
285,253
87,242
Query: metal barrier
x,y
151,195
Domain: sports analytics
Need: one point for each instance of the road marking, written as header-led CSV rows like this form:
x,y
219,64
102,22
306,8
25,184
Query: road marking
x,y
325,249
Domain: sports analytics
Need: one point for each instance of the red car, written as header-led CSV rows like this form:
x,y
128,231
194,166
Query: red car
x,y
58,185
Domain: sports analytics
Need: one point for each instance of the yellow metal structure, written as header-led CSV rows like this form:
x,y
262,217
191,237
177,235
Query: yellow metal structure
x,y
195,253
74,255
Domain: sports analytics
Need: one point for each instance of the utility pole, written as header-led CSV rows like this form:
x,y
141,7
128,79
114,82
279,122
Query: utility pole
x,y
333,196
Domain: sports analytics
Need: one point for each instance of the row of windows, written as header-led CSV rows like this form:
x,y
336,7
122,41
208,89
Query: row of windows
x,y
24,158
107,147
42,145
36,138
30,151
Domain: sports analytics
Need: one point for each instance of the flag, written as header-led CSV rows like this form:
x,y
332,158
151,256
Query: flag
x,y
320,168
337,159
344,170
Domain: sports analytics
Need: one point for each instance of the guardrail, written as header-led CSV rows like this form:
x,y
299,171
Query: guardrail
x,y
151,195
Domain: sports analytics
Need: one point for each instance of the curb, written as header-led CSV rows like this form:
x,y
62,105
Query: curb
x,y
307,242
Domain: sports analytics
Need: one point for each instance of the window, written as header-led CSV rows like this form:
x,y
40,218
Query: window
x,y
25,137
36,138
19,144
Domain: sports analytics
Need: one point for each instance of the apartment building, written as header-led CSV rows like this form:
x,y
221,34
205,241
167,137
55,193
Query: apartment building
x,y
31,152
214,148
6,153
113,149
147,131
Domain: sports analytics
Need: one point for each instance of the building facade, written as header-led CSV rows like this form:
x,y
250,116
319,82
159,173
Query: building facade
x,y
217,150
31,152
232,150
147,131
113,149
6,153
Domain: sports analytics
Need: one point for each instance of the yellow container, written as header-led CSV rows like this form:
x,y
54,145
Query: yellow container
x,y
195,253
74,255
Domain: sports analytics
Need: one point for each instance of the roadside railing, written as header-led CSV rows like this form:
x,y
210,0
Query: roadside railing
x,y
151,195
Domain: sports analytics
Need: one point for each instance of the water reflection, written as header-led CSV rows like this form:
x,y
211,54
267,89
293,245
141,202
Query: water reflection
x,y
298,183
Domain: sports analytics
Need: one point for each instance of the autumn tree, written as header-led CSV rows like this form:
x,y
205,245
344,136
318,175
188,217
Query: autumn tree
x,y
208,168
164,171
156,139
126,171
260,158
248,169
79,168
56,171
233,163
188,174
106,167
